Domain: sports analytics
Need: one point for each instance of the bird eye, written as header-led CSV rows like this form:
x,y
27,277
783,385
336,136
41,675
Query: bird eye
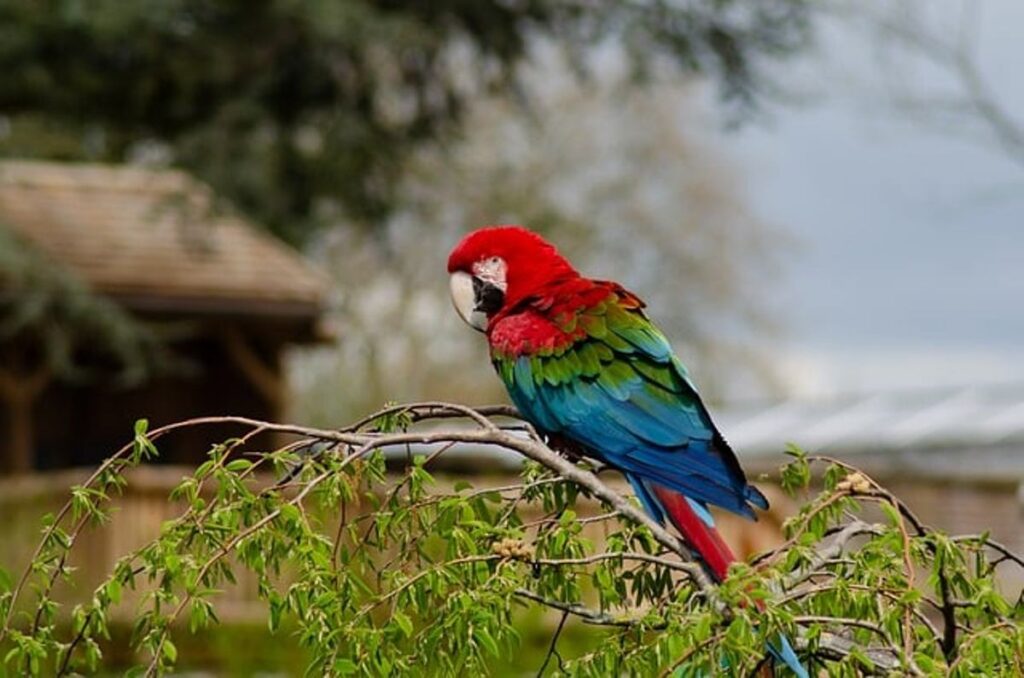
x,y
494,261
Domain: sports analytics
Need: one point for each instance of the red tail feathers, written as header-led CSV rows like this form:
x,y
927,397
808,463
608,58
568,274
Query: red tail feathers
x,y
716,554
700,536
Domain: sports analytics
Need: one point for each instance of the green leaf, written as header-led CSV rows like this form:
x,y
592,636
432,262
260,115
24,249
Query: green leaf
x,y
238,465
345,666
404,623
487,640
204,469
290,512
891,512
857,654
796,475
114,591
143,448
197,616
169,651
5,581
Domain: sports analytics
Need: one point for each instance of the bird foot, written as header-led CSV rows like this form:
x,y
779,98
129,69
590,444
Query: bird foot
x,y
569,449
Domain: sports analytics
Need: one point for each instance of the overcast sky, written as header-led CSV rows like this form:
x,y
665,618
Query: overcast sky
x,y
910,271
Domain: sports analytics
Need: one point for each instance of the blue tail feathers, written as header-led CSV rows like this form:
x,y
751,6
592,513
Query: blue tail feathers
x,y
782,651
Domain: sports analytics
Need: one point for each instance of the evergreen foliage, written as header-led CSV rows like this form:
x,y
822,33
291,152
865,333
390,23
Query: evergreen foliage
x,y
300,111
50,320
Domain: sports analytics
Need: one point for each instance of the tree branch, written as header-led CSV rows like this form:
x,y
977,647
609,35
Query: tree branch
x,y
828,555
576,609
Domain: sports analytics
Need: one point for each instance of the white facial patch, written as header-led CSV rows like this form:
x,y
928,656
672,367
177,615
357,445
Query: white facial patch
x,y
492,271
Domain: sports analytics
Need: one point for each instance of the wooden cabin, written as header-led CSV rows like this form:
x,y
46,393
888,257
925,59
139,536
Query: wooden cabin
x,y
227,297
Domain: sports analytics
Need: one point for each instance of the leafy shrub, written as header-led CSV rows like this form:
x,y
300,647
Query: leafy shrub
x,y
379,576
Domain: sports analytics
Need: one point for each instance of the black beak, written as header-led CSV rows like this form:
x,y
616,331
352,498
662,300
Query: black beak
x,y
489,299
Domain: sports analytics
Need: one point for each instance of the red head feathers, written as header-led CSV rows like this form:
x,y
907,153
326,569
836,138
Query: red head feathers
x,y
511,258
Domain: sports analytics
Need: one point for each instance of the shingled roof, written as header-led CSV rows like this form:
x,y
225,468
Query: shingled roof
x,y
154,239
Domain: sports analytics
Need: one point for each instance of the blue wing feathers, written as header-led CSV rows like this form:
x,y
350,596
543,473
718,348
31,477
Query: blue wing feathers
x,y
694,485
615,397
624,436
623,394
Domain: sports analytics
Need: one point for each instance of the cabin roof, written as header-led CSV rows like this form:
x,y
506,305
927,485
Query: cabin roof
x,y
155,240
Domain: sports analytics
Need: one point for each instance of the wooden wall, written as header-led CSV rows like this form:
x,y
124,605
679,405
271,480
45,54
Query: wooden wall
x,y
81,423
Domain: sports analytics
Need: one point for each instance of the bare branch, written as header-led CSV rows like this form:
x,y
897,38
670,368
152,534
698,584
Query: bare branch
x,y
832,646
598,557
552,649
575,609
892,649
834,549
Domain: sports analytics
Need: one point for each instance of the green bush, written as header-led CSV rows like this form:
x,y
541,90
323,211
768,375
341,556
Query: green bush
x,y
380,577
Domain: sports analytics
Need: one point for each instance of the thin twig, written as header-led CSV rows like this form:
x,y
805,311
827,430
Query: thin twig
x,y
554,641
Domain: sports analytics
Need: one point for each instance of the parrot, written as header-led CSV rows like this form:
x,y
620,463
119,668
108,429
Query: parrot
x,y
583,363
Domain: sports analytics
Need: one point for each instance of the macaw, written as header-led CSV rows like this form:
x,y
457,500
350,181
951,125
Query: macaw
x,y
582,362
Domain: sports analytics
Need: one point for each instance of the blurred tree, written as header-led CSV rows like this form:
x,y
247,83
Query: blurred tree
x,y
929,70
302,111
51,322
53,327
652,205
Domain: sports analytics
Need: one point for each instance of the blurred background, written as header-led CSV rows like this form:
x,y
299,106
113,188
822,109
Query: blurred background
x,y
219,207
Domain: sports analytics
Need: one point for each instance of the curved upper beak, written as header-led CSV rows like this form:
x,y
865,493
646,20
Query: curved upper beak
x,y
464,300
474,299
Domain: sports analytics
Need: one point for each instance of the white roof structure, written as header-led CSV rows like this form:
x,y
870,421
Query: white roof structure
x,y
974,431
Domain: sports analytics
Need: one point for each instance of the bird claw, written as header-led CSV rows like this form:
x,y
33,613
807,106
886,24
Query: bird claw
x,y
569,449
